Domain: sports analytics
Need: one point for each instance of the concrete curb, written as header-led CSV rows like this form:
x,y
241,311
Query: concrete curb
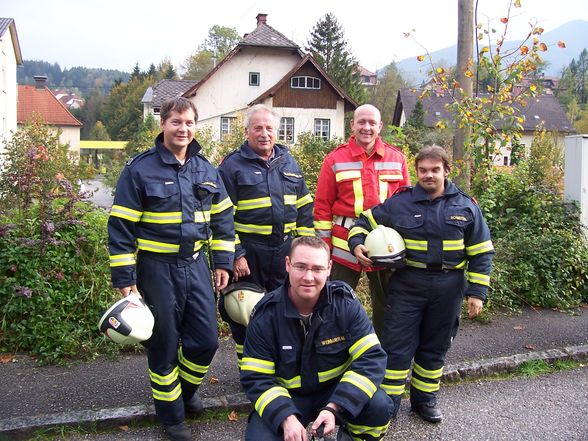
x,y
25,427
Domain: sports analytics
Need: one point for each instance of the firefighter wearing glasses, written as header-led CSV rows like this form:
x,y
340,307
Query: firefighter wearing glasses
x,y
447,244
169,203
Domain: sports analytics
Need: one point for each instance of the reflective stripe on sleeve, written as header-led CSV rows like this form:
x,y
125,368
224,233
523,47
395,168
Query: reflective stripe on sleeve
x,y
221,206
482,247
125,213
304,200
361,382
258,365
268,396
481,279
362,345
122,260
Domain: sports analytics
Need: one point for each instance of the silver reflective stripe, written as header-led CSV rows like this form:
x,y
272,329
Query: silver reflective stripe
x,y
387,166
347,166
342,254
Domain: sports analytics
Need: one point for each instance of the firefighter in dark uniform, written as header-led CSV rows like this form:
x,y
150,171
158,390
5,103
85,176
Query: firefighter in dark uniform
x,y
272,205
448,255
169,204
311,353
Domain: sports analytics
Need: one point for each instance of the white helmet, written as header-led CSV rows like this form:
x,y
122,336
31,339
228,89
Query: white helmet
x,y
128,321
240,299
385,247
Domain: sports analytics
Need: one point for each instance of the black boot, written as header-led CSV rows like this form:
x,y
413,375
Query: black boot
x,y
194,405
178,432
428,411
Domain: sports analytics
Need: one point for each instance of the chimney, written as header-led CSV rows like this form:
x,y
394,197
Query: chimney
x,y
40,81
261,19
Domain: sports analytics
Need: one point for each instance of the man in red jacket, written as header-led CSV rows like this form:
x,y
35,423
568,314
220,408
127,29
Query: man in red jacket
x,y
355,177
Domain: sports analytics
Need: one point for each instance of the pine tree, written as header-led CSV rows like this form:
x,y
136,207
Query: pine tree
x,y
329,48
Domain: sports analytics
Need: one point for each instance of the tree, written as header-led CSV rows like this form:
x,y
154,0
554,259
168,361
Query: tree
x,y
197,65
384,94
329,48
99,132
90,113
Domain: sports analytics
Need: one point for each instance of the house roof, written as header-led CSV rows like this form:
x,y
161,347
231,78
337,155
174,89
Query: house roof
x,y
41,101
166,89
9,24
306,59
364,72
543,109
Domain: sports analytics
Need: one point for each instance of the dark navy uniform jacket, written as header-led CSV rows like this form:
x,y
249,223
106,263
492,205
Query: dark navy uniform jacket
x,y
338,350
161,206
447,233
270,197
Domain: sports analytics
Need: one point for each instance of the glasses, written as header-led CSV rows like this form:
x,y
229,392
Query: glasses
x,y
316,270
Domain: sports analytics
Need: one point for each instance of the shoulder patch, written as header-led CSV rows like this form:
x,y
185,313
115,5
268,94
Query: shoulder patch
x,y
339,288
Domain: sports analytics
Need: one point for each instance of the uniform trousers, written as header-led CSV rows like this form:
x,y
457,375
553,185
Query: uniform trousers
x,y
185,337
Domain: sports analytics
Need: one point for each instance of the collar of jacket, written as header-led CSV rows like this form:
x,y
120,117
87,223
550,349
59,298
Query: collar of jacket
x,y
419,195
168,157
248,153
290,311
357,150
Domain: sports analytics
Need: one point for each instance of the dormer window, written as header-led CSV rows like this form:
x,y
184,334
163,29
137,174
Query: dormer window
x,y
305,82
254,78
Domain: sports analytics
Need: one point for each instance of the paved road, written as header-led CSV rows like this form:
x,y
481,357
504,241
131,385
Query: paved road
x,y
98,193
552,407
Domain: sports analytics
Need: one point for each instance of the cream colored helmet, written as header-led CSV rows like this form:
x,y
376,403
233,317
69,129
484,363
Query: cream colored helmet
x,y
128,321
240,299
385,247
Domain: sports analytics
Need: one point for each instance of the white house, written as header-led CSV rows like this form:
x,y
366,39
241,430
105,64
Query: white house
x,y
10,58
266,67
540,111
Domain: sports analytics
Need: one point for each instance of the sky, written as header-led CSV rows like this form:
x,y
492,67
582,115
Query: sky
x,y
117,34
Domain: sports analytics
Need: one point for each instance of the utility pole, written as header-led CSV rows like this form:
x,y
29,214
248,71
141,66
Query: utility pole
x,y
465,48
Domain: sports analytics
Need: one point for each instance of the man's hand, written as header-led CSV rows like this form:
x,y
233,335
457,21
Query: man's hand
x,y
240,268
125,291
221,278
360,251
327,418
475,306
293,429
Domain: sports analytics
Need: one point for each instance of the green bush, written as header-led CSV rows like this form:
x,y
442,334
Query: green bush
x,y
541,251
309,152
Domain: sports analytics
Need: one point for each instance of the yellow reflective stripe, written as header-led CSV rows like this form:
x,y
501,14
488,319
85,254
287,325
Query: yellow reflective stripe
x,y
122,259
347,174
268,396
415,264
289,199
239,348
362,345
436,373
172,395
126,213
290,226
222,245
419,245
292,383
305,231
383,190
323,225
221,206
198,244
237,239
258,365
482,247
461,264
166,217
190,378
391,177
370,217
157,247
358,194
304,200
334,373
396,375
164,380
190,365
252,204
453,245
393,389
357,230
360,381
481,279
340,243
202,216
374,431
255,229
425,387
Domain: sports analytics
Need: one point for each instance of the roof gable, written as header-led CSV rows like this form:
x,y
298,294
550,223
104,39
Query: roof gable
x,y
166,89
266,36
43,103
9,24
541,110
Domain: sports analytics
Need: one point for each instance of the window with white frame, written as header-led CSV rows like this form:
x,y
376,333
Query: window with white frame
x,y
254,78
227,126
286,130
305,82
322,128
